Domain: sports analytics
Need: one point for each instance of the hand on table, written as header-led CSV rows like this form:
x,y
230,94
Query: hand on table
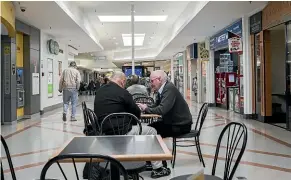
x,y
142,106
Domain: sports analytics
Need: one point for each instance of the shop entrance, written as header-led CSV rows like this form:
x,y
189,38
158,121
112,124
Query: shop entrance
x,y
278,73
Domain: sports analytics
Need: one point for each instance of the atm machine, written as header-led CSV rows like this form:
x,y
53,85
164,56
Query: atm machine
x,y
20,92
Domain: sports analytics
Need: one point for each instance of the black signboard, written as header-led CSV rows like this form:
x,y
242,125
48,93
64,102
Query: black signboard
x,y
256,23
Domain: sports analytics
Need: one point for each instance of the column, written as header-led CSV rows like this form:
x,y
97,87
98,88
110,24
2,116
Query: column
x,y
132,38
172,70
210,77
247,68
185,74
199,81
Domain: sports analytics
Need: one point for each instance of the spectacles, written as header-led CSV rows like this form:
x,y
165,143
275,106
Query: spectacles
x,y
152,80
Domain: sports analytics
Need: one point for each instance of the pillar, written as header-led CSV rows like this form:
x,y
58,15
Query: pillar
x,y
132,38
210,77
172,70
247,68
199,80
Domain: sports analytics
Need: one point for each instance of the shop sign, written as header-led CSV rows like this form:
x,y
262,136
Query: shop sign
x,y
221,39
275,13
256,23
235,44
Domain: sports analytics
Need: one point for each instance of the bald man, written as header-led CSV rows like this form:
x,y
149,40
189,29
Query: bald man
x,y
177,119
113,98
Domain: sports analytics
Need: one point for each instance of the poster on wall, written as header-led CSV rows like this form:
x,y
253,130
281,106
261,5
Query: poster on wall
x,y
235,44
35,83
50,77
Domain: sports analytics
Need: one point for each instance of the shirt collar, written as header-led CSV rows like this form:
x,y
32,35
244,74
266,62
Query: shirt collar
x,y
162,88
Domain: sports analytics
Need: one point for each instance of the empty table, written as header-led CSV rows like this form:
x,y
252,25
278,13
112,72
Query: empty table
x,y
122,148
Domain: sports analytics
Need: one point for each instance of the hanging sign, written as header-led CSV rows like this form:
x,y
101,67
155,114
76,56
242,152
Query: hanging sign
x,y
235,44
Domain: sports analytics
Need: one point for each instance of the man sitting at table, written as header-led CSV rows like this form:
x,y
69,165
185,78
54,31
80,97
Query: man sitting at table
x,y
113,98
171,105
136,88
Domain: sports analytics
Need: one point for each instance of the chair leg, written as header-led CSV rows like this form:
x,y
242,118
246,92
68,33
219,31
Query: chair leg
x,y
135,176
174,152
200,152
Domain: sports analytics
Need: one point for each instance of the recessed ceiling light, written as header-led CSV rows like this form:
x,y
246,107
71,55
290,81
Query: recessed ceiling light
x,y
116,43
114,38
138,39
136,18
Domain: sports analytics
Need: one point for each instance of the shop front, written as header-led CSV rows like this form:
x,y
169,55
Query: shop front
x,y
271,63
228,67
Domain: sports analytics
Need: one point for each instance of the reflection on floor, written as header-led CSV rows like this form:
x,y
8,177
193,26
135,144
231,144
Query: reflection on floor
x,y
267,157
282,125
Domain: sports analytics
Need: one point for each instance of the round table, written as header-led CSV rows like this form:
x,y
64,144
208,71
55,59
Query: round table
x,y
206,177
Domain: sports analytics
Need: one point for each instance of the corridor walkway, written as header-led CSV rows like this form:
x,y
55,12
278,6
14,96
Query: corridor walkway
x,y
267,157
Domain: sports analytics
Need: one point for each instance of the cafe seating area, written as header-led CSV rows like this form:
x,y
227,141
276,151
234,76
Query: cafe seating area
x,y
120,156
93,154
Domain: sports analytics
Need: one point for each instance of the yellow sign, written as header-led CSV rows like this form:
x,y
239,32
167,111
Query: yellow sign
x,y
6,50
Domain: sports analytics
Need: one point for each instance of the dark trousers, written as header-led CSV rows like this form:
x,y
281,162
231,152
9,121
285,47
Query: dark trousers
x,y
166,130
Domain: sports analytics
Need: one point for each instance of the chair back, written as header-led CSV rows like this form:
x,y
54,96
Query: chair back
x,y
93,122
201,117
136,95
119,124
94,168
235,135
86,122
8,159
145,100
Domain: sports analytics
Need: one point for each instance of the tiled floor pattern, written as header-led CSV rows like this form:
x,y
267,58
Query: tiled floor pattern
x,y
267,157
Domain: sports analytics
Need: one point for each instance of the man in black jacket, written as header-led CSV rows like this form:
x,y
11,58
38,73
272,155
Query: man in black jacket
x,y
113,98
177,119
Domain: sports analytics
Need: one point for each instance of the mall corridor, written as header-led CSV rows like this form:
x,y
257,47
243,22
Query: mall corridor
x,y
267,156
151,66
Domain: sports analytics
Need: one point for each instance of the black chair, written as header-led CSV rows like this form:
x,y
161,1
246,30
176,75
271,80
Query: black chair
x,y
235,134
115,128
8,159
112,168
195,134
90,121
86,122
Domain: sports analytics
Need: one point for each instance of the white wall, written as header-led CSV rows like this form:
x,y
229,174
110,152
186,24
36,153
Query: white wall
x,y
45,54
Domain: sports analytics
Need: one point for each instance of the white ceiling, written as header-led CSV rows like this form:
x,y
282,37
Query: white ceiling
x,y
77,23
50,18
108,31
215,16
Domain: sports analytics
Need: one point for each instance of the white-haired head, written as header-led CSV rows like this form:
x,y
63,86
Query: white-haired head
x,y
118,78
158,78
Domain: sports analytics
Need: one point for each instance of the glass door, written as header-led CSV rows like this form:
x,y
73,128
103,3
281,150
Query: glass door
x,y
288,75
258,71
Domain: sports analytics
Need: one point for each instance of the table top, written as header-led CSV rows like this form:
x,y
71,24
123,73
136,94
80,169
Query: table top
x,y
122,148
150,116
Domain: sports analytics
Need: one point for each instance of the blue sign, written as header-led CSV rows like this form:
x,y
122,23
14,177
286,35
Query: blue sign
x,y
221,39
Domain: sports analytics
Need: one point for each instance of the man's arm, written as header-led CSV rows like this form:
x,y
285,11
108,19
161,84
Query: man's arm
x,y
131,106
78,80
61,82
166,104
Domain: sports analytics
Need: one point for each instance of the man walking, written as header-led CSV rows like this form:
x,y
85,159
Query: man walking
x,y
69,85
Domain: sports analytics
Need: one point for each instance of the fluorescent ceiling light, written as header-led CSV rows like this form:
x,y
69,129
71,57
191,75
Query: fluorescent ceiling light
x,y
138,39
136,18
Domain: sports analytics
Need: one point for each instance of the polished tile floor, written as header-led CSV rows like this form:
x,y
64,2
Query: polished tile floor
x,y
267,157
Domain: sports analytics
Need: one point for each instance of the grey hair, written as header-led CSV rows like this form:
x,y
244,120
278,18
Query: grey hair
x,y
117,75
161,74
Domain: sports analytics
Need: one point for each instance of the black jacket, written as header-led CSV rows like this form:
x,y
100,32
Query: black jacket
x,y
111,98
172,106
